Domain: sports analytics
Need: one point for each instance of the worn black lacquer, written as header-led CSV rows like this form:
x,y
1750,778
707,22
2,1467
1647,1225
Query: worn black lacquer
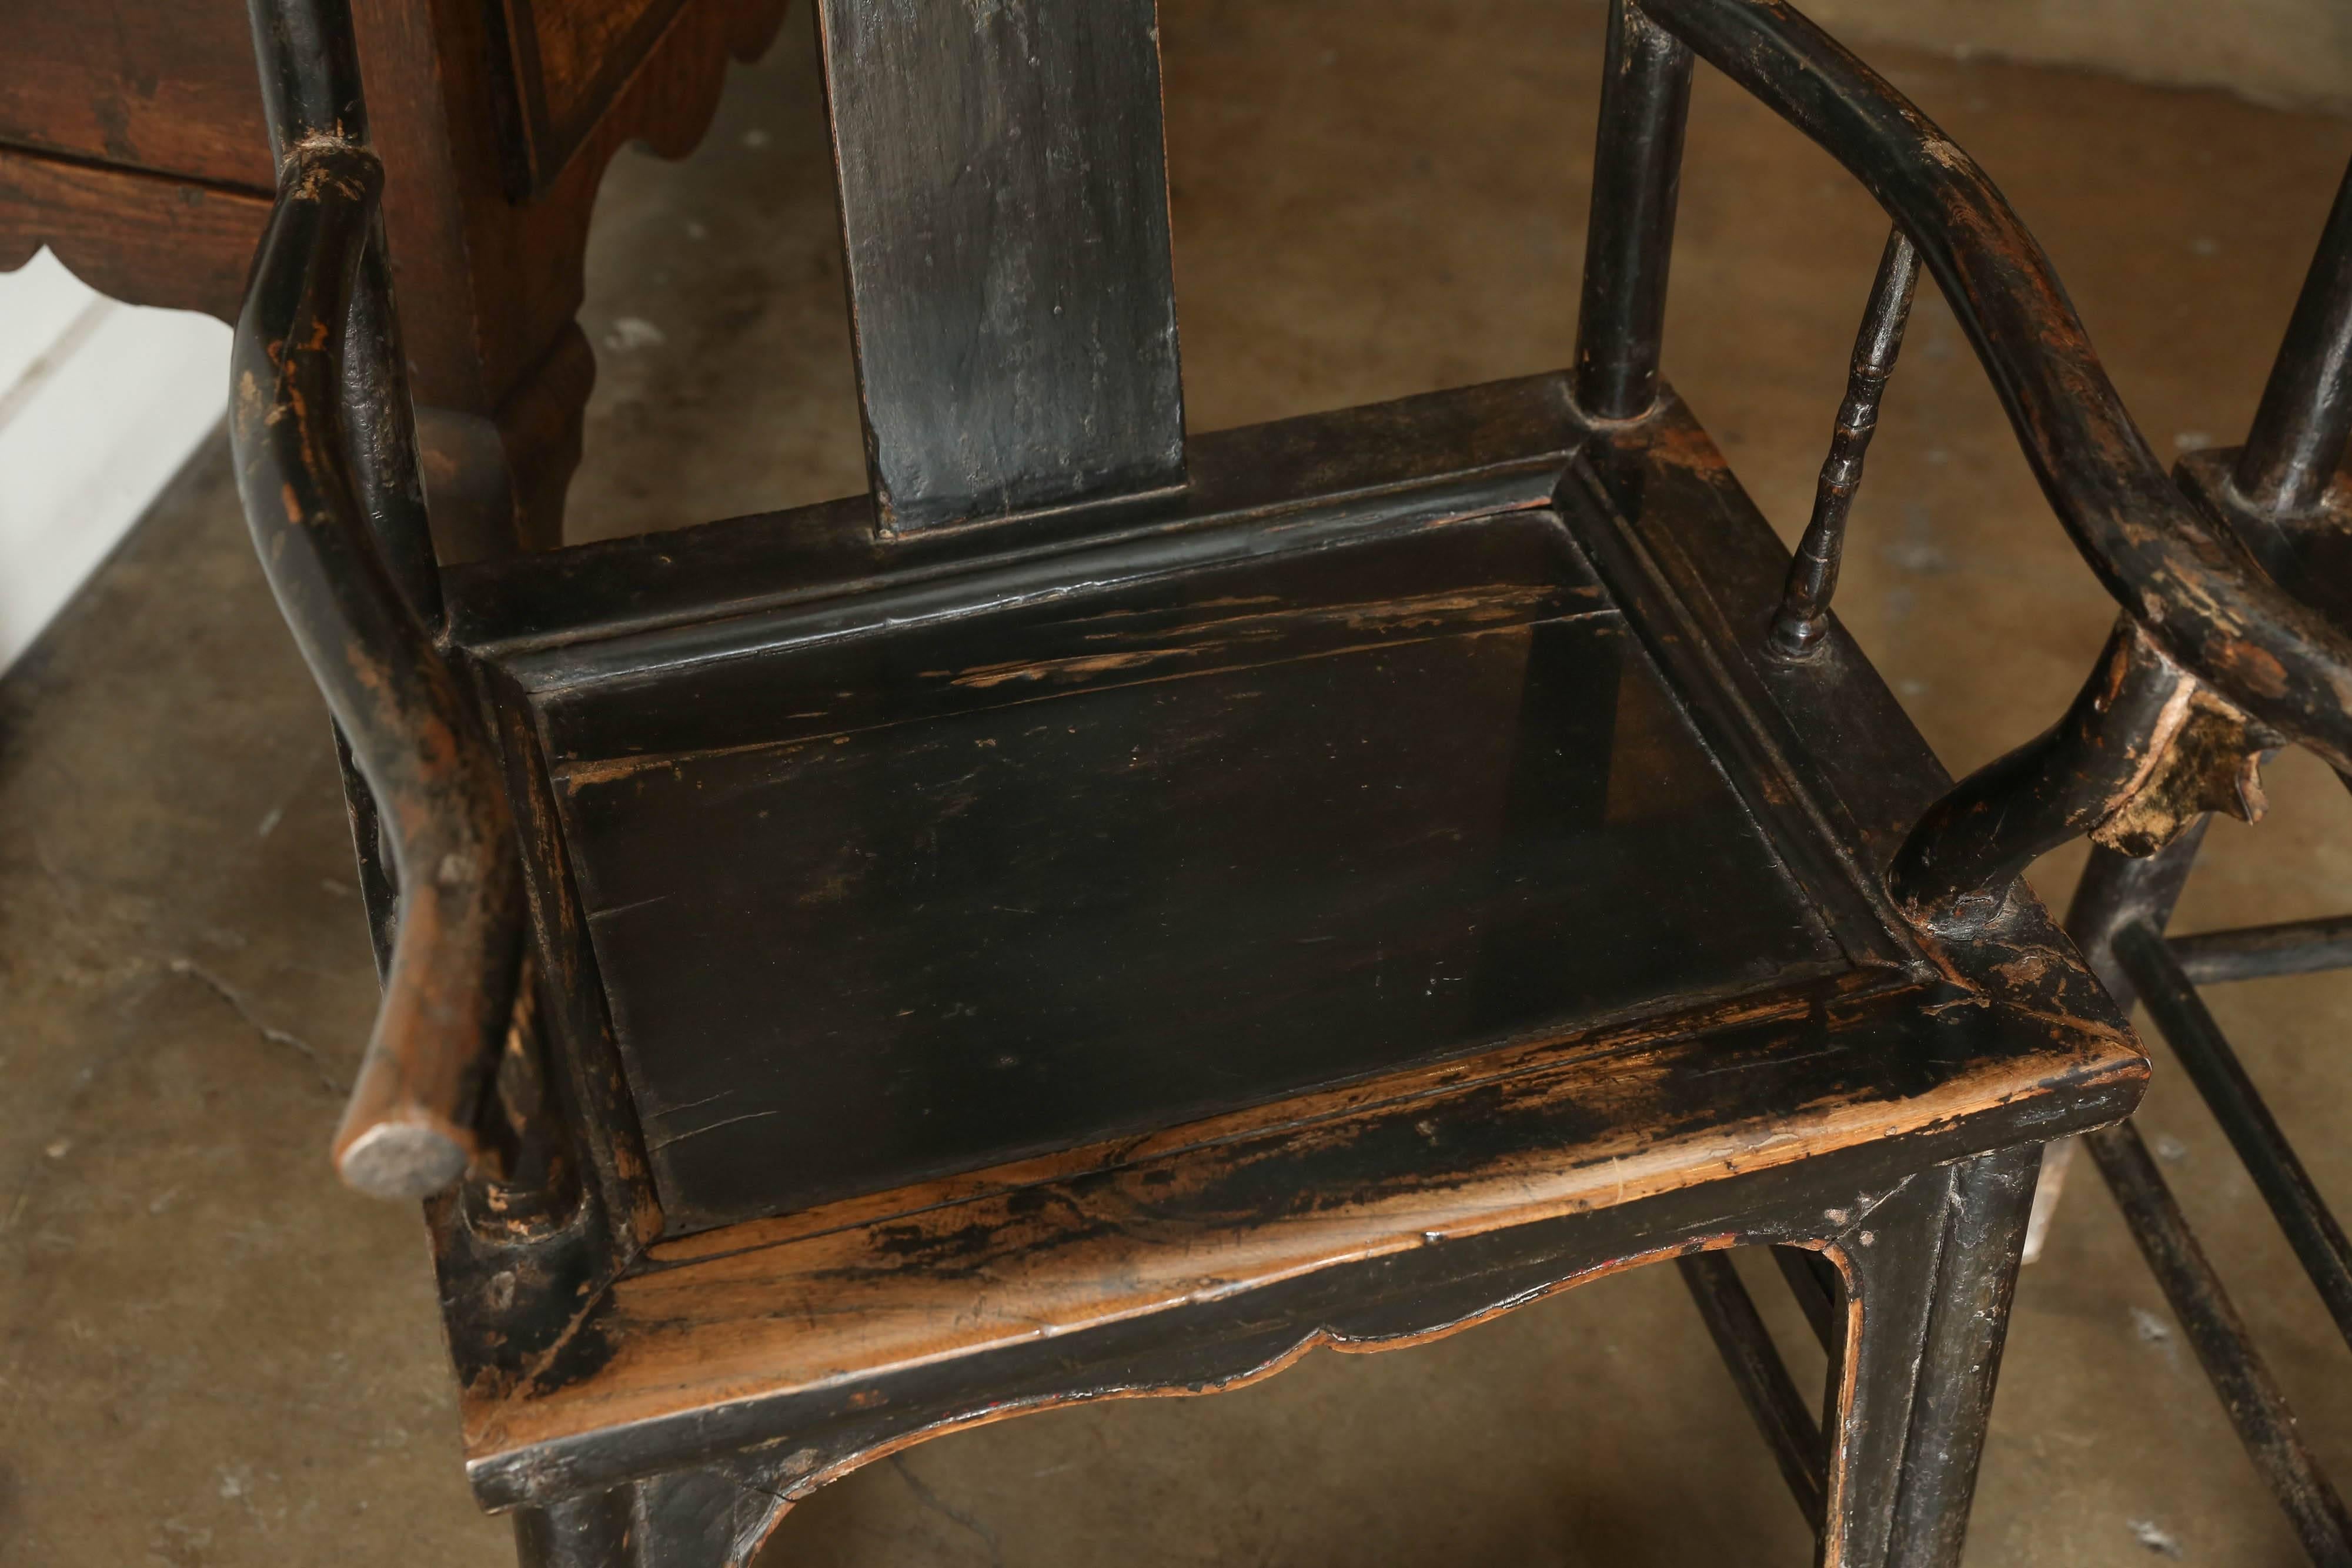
x,y
1814,574
409,723
1637,167
2262,952
1962,856
1010,281
2299,430
2200,599
2119,912
1096,917
2249,1394
2188,1027
1788,1428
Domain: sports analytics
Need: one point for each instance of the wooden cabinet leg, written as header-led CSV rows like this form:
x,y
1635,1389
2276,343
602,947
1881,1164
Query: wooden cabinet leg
x,y
539,425
715,1518
1929,1273
495,481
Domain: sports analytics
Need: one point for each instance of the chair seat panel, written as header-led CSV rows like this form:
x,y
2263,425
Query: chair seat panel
x,y
1128,861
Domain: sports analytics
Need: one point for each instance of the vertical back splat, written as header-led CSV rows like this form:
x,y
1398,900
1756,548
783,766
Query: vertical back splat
x,y
1004,208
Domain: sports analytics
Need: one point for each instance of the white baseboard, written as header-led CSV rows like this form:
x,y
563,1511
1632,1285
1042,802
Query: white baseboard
x,y
100,403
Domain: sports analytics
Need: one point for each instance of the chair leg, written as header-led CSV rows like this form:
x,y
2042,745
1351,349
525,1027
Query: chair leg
x,y
591,1531
689,1519
1928,1274
2116,891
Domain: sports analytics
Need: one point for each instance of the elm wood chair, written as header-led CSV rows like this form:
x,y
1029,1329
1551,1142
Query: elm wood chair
x,y
2286,498
1104,914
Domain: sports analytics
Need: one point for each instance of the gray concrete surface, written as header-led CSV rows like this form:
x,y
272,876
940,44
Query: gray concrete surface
x,y
2290,53
211,1355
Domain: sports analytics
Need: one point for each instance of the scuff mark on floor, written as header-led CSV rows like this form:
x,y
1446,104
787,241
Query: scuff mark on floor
x,y
270,1032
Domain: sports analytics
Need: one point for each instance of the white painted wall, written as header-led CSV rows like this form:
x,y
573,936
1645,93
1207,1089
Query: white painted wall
x,y
100,403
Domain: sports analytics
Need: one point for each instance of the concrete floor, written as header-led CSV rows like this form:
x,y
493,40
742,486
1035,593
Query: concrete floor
x,y
211,1354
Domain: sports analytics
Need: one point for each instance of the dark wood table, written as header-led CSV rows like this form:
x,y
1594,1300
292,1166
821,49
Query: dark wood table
x,y
132,143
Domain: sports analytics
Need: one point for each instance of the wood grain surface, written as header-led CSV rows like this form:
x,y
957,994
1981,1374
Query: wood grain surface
x,y
569,62
1004,202
135,236
1045,875
832,1301
164,86
767,1356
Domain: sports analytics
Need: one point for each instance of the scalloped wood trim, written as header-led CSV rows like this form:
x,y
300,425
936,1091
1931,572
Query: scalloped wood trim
x,y
146,239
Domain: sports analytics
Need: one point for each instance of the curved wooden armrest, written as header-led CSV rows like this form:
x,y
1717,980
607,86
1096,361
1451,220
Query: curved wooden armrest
x,y
2201,611
409,1128
2198,596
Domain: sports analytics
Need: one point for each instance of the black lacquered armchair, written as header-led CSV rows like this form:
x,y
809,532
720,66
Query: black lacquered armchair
x,y
1105,912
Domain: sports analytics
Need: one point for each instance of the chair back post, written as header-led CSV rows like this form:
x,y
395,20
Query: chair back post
x,y
2305,414
1636,179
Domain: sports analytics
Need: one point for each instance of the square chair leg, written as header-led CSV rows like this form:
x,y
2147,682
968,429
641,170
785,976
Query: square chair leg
x,y
1929,1275
714,1517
